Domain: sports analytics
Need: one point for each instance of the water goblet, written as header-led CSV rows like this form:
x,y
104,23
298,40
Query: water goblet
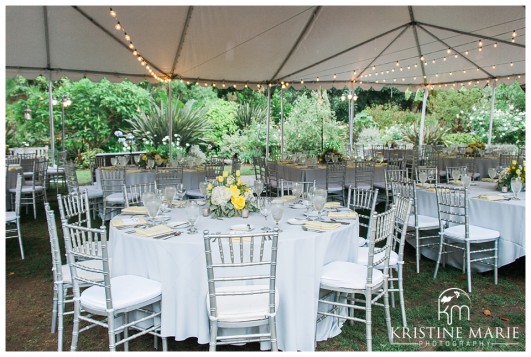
x,y
146,196
277,210
318,203
516,187
265,209
153,205
169,194
466,180
114,161
258,187
423,177
492,173
307,198
150,164
203,188
192,214
137,159
297,189
180,192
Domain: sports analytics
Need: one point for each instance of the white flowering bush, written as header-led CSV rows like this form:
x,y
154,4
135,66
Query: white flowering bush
x,y
508,125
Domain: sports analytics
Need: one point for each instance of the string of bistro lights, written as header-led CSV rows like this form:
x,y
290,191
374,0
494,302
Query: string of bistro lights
x,y
141,60
395,66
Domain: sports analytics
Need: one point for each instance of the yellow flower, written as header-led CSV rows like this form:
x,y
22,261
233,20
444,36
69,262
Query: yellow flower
x,y
220,178
518,172
144,157
514,162
234,191
209,187
238,202
237,173
225,174
239,182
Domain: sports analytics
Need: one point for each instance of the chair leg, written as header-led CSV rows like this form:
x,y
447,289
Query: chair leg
x,y
401,295
34,206
417,248
468,271
20,246
54,307
60,316
213,336
126,332
75,328
273,332
388,317
111,332
495,262
368,318
441,245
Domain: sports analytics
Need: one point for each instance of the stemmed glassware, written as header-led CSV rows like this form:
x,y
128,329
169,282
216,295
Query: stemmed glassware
x,y
146,196
492,173
192,214
264,204
297,190
153,205
150,164
277,210
516,187
169,195
258,187
319,200
203,188
137,159
307,198
466,180
114,161
180,191
423,177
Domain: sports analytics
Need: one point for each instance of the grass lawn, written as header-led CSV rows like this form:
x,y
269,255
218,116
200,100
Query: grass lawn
x,y
29,292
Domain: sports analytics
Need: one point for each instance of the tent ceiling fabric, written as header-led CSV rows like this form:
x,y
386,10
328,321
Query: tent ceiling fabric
x,y
302,45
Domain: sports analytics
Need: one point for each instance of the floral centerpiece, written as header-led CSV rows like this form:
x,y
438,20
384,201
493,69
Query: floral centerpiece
x,y
473,149
513,171
327,152
228,196
158,158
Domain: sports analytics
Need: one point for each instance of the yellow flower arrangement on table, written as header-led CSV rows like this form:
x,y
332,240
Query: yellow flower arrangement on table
x,y
513,171
475,148
228,196
159,159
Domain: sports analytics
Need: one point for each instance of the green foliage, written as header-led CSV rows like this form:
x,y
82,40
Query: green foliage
x,y
152,128
388,114
221,117
508,125
433,133
369,136
460,138
246,113
310,117
449,105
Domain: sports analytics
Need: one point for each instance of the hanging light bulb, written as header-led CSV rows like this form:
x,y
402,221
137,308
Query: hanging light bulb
x,y
480,43
127,37
335,76
449,50
397,64
495,44
112,12
118,26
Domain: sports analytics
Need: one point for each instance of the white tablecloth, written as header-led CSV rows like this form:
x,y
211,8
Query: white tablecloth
x,y
507,217
179,264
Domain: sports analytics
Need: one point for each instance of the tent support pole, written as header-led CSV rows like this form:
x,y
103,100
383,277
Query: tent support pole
x,y
423,117
52,128
170,121
268,120
492,100
281,123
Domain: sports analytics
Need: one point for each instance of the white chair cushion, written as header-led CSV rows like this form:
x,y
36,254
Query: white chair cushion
x,y
11,216
27,189
476,233
126,291
194,193
363,257
92,191
379,185
243,307
335,188
348,275
361,241
115,198
96,264
423,221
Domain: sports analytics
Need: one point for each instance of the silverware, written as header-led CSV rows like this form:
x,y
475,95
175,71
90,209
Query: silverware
x,y
341,222
312,229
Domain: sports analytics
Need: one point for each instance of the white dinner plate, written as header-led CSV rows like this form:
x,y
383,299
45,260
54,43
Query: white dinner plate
x,y
242,227
296,221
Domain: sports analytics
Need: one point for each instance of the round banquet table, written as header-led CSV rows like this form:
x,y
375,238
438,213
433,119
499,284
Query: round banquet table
x,y
505,216
179,264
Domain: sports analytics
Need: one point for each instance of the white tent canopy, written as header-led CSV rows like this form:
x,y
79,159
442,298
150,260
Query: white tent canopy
x,y
372,46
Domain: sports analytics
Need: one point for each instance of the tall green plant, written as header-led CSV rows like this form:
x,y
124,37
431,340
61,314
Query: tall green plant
x,y
433,133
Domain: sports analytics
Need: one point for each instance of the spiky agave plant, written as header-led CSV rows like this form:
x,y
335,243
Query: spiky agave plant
x,y
433,133
188,123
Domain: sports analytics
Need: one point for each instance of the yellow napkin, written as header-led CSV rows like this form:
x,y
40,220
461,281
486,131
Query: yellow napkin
x,y
285,198
154,231
491,197
488,179
130,171
332,204
455,182
135,210
178,204
14,168
124,222
322,225
430,189
343,215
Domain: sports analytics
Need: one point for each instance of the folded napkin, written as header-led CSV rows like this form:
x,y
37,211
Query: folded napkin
x,y
488,179
239,239
332,204
321,225
491,197
455,182
135,210
431,189
154,231
178,204
130,171
124,222
343,215
287,198
14,167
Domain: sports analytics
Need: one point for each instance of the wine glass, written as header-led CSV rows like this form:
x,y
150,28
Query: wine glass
x,y
379,158
516,187
423,177
319,200
114,161
146,196
277,210
203,188
258,187
192,214
180,191
265,209
169,194
466,180
137,159
150,164
307,199
492,173
297,189
153,205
